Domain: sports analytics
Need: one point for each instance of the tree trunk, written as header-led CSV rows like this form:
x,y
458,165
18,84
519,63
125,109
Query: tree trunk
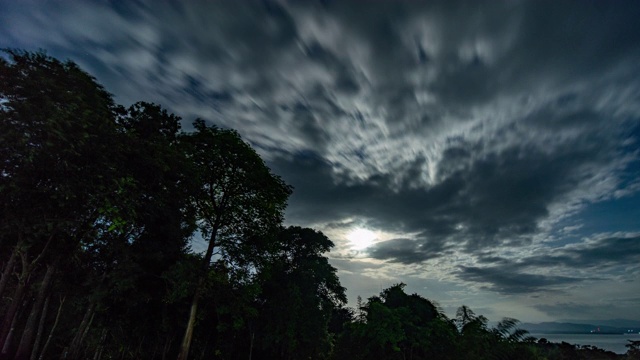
x,y
139,350
11,313
23,280
76,343
103,337
6,273
167,346
43,318
53,328
155,347
29,332
188,334
7,344
253,334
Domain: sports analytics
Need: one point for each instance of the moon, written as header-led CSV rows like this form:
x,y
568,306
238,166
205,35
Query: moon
x,y
361,238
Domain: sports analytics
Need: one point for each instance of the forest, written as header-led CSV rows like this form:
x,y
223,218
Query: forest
x,y
99,205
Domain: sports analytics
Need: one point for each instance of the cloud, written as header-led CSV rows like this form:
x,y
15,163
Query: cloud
x,y
602,253
507,282
480,202
473,132
606,251
596,259
600,309
406,251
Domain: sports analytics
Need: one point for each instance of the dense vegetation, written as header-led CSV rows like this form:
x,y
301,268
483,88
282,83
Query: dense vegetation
x,y
98,206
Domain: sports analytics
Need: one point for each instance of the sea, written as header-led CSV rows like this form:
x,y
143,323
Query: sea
x,y
611,342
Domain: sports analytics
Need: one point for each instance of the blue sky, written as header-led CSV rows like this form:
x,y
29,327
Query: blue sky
x,y
490,148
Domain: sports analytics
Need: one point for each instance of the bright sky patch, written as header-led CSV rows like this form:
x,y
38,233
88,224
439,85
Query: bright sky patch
x,y
361,238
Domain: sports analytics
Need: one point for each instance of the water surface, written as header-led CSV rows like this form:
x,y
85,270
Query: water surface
x,y
611,342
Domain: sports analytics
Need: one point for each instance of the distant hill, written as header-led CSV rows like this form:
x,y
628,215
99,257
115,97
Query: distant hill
x,y
582,327
621,323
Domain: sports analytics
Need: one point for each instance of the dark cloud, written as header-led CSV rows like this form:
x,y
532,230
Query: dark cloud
x,y
345,80
406,251
598,256
608,309
603,252
505,281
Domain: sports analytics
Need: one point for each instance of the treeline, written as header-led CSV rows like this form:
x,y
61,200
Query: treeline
x,y
399,326
98,206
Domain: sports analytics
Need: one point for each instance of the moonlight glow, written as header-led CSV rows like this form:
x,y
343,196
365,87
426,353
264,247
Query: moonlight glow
x,y
361,238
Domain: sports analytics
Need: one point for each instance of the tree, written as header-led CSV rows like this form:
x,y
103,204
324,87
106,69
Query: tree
x,y
129,260
299,293
399,326
464,316
505,341
634,349
89,191
58,126
237,197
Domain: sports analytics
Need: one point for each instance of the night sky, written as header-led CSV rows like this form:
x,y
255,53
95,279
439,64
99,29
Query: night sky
x,y
483,153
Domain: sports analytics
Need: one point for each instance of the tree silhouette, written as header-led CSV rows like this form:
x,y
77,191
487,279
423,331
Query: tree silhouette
x,y
57,125
300,291
237,197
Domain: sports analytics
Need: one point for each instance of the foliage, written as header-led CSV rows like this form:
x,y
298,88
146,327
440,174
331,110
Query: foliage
x,y
300,292
397,325
634,349
236,200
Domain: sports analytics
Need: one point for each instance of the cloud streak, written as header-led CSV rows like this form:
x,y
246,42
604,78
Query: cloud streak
x,y
586,261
